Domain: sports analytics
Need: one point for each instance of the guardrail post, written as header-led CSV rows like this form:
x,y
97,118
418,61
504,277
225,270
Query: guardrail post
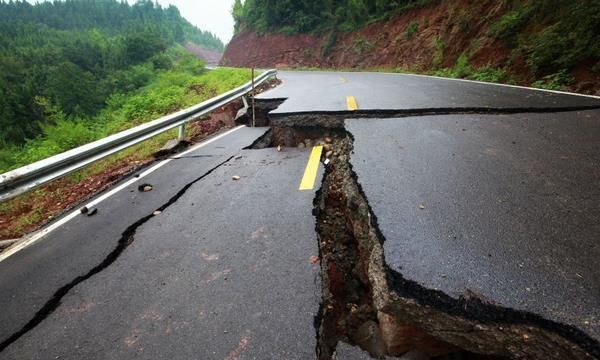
x,y
23,179
253,112
181,133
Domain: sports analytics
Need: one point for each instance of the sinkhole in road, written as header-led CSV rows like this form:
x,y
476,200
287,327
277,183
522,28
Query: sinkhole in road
x,y
367,304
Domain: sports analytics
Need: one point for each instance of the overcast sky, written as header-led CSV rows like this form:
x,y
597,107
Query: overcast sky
x,y
211,15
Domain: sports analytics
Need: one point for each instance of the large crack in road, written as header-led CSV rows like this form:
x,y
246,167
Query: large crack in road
x,y
127,238
368,304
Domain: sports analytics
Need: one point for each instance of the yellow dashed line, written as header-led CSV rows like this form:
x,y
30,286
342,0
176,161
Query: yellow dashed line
x,y
351,102
310,174
343,80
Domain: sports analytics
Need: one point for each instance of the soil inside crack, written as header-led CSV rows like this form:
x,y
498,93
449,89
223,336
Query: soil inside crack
x,y
367,304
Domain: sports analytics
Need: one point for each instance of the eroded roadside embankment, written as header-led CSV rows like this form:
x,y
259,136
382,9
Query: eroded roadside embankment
x,y
365,303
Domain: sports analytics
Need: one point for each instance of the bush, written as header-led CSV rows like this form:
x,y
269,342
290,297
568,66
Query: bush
x,y
411,30
556,81
362,45
438,55
570,35
511,23
489,74
462,69
554,49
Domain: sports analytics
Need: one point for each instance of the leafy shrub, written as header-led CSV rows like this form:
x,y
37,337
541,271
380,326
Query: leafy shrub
x,y
361,45
556,49
411,30
570,36
133,78
555,81
438,56
511,23
162,61
462,69
489,74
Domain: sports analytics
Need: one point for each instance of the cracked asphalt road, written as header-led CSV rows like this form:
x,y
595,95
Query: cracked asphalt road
x,y
224,272
316,91
206,278
503,206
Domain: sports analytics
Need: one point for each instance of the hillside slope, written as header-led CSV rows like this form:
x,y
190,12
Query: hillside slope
x,y
547,43
110,47
209,56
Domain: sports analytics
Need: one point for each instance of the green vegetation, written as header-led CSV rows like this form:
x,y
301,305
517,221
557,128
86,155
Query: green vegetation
x,y
555,81
550,37
293,17
462,69
411,30
64,60
75,71
511,23
185,84
438,56
362,45
554,35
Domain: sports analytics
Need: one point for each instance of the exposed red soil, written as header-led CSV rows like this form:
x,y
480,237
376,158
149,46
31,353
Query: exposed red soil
x,y
384,44
445,30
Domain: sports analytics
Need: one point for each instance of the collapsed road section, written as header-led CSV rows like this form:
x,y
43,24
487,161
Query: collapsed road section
x,y
368,301
443,236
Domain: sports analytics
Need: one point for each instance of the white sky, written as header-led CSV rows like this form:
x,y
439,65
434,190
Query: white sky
x,y
212,15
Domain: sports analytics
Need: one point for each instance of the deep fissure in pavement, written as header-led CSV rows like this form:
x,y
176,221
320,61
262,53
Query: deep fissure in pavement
x,y
335,119
127,238
367,304
261,112
370,305
347,242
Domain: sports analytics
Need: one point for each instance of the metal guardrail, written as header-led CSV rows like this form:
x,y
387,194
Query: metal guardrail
x,y
21,180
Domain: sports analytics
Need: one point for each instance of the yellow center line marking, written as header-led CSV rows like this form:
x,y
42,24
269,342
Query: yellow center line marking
x,y
310,174
351,102
343,80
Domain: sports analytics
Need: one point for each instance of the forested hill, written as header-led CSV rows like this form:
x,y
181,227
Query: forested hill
x,y
292,17
65,59
110,17
546,43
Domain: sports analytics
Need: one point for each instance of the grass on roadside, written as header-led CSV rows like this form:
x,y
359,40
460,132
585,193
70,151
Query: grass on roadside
x,y
185,84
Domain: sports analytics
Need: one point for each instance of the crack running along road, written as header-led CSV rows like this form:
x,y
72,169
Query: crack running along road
x,y
127,238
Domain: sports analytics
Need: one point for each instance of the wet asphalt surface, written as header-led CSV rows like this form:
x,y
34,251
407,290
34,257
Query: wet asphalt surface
x,y
316,91
506,207
226,271
207,278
